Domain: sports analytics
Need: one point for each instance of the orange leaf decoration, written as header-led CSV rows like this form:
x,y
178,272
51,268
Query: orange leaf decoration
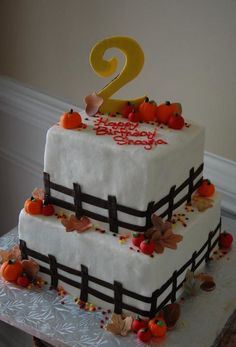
x,y
161,233
93,102
75,224
38,193
12,253
31,267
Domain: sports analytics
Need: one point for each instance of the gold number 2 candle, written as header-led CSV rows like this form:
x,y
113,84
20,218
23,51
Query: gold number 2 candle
x,y
134,60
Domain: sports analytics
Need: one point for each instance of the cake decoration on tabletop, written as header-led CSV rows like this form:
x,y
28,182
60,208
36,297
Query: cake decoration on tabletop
x,y
23,272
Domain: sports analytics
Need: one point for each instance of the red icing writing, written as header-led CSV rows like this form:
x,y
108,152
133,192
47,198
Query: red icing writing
x,y
122,131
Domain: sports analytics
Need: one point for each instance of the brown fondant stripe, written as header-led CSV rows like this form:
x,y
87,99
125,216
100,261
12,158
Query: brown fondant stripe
x,y
77,200
114,207
84,283
118,291
112,212
53,271
190,186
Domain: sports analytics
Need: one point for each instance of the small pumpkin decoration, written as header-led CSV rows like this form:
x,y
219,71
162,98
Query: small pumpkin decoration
x,y
164,111
33,206
11,270
206,189
157,326
147,110
70,120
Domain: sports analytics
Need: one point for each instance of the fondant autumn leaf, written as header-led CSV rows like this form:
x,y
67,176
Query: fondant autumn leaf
x,y
12,253
38,193
118,325
161,233
191,284
74,224
93,102
201,203
30,267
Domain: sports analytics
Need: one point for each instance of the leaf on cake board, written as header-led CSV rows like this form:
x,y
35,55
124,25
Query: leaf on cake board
x,y
161,233
12,253
118,325
93,103
30,267
191,285
171,314
74,224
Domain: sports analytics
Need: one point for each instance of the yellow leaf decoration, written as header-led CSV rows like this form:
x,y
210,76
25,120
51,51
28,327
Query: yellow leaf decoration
x,y
118,325
201,203
161,233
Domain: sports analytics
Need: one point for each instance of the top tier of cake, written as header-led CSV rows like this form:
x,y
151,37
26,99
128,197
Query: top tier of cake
x,y
126,165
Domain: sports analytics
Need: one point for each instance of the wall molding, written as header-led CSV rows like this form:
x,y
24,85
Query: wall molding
x,y
222,172
40,110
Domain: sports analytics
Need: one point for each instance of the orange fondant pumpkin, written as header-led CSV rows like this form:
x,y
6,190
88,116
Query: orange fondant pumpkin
x,y
164,111
147,110
206,189
33,206
157,326
71,120
11,270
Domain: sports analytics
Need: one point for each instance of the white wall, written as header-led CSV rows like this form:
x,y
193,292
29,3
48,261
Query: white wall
x,y
189,45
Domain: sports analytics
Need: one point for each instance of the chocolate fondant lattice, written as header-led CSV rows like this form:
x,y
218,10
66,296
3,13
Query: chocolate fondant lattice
x,y
117,288
172,202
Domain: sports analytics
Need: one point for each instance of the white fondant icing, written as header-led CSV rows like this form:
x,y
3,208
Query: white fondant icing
x,y
134,175
107,259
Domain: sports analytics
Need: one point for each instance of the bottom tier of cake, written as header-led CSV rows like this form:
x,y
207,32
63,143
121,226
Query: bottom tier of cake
x,y
108,270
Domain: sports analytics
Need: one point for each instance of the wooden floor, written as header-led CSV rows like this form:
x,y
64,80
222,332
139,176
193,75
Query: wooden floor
x,y
12,337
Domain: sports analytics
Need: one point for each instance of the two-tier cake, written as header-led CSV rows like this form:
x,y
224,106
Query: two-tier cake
x,y
122,168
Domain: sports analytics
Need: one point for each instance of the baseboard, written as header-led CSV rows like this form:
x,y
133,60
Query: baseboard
x,y
41,111
222,172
